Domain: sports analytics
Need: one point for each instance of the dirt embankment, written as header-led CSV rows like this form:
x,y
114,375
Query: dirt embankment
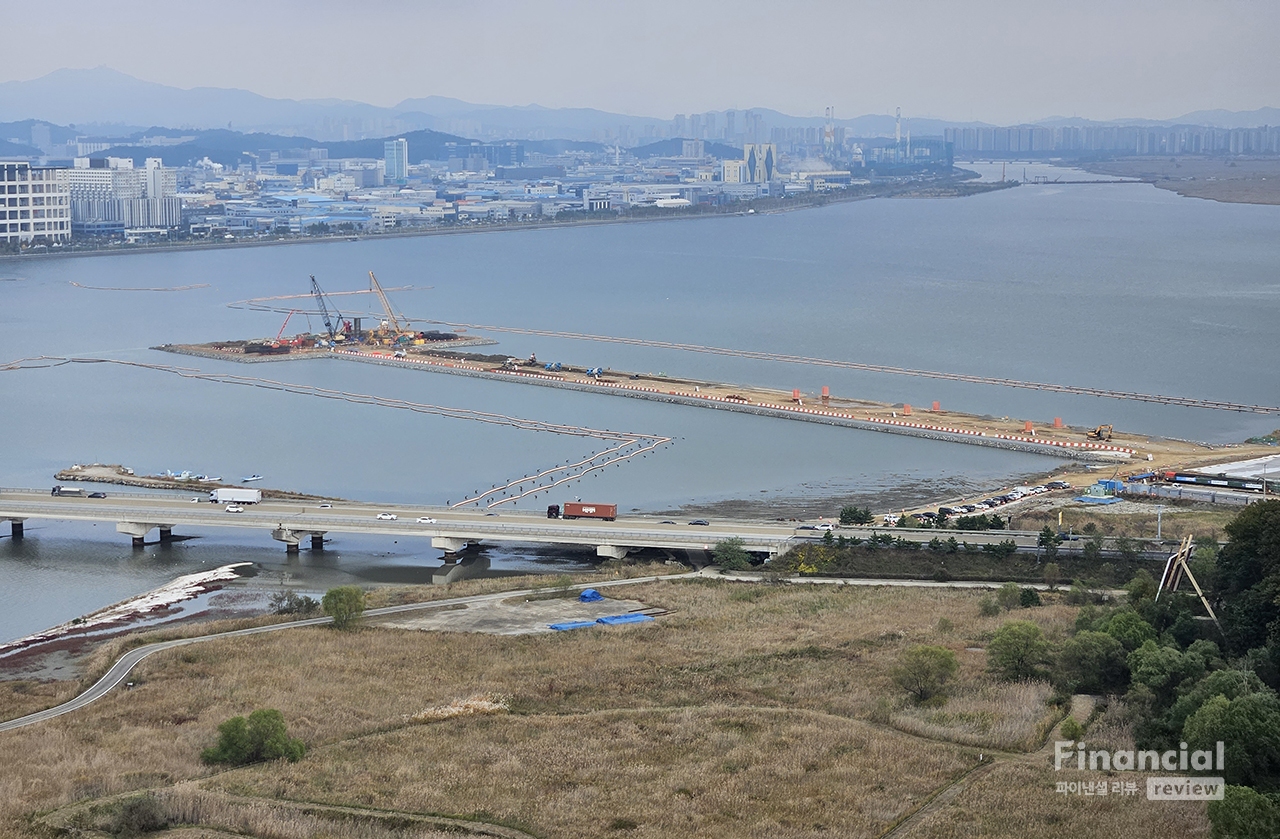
x,y
1231,180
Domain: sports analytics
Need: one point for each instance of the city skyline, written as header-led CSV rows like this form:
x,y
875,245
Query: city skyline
x,y
996,63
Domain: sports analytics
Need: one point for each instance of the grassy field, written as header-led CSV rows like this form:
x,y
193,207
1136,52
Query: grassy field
x,y
749,710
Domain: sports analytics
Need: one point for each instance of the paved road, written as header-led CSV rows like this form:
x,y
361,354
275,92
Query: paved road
x,y
301,519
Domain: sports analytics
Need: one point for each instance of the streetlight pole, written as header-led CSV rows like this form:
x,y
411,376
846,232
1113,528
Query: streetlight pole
x,y
1159,512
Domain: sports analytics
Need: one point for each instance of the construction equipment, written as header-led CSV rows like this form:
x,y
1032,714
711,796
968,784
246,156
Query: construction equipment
x,y
276,342
334,336
1102,432
392,320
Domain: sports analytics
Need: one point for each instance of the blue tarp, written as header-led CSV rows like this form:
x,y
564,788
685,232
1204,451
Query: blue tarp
x,y
590,595
1094,499
561,627
617,619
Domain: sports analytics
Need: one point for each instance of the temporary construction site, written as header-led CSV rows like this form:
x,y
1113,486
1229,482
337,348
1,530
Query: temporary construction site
x,y
389,337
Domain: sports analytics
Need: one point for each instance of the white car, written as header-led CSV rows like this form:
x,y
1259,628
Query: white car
x,y
826,525
234,508
326,506
426,520
386,516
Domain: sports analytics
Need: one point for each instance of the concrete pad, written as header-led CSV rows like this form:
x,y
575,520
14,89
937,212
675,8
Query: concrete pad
x,y
512,618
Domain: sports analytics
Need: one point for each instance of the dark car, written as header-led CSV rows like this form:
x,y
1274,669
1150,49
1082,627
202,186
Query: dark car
x,y
668,521
702,522
97,495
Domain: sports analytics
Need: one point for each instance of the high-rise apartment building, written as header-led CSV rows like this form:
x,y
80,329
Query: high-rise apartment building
x,y
34,204
396,155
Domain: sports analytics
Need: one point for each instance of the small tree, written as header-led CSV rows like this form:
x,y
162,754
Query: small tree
x,y
263,736
1141,587
345,604
1052,575
1018,650
1091,662
730,554
1049,541
924,670
1009,596
856,515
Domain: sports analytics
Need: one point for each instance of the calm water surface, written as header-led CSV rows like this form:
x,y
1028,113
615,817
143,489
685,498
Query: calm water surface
x,y
1114,286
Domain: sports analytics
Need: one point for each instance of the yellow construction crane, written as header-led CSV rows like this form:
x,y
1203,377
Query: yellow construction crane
x,y
392,320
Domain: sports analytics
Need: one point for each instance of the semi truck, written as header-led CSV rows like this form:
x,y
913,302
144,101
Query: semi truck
x,y
574,510
235,495
75,492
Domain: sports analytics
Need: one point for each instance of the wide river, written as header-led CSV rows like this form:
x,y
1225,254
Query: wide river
x,y
1115,286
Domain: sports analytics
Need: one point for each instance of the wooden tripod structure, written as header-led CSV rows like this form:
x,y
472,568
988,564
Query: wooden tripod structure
x,y
1177,568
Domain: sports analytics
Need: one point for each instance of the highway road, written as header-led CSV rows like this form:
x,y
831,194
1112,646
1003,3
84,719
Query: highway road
x,y
136,514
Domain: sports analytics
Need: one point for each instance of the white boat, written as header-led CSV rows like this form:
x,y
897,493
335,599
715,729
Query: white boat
x,y
208,479
250,479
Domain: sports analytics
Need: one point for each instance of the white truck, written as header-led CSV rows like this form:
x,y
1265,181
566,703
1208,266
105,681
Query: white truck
x,y
235,495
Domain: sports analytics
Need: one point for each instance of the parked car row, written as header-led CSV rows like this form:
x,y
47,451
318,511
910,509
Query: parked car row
x,y
984,505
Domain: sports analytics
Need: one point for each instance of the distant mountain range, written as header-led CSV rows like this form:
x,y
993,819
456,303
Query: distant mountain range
x,y
103,101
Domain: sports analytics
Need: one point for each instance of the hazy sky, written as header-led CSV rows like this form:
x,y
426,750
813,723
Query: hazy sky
x,y
1002,62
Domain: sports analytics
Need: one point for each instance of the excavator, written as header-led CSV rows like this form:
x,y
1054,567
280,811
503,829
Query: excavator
x,y
1102,432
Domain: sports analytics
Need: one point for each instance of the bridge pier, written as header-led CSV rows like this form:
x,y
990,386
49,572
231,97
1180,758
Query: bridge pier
x,y
293,538
15,529
612,551
138,530
166,534
452,572
448,544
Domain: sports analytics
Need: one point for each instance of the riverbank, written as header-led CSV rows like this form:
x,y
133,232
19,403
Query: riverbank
x,y
56,653
1233,180
944,188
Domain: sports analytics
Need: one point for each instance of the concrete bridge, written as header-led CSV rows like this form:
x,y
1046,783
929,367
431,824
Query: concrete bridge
x,y
293,522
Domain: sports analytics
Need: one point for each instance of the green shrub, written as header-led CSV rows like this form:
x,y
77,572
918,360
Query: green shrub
x,y
730,554
924,670
138,815
263,736
1018,650
345,604
1072,730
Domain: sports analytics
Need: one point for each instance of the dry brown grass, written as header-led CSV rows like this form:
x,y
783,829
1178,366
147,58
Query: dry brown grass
x,y
1178,520
706,772
231,815
19,697
1000,715
1019,800
739,696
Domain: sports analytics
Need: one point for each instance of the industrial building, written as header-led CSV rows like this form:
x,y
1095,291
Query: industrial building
x,y
110,197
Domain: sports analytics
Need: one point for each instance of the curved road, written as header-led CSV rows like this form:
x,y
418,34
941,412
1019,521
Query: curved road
x,y
129,660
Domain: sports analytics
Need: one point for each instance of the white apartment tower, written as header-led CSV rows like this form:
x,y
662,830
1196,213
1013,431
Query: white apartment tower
x,y
35,204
